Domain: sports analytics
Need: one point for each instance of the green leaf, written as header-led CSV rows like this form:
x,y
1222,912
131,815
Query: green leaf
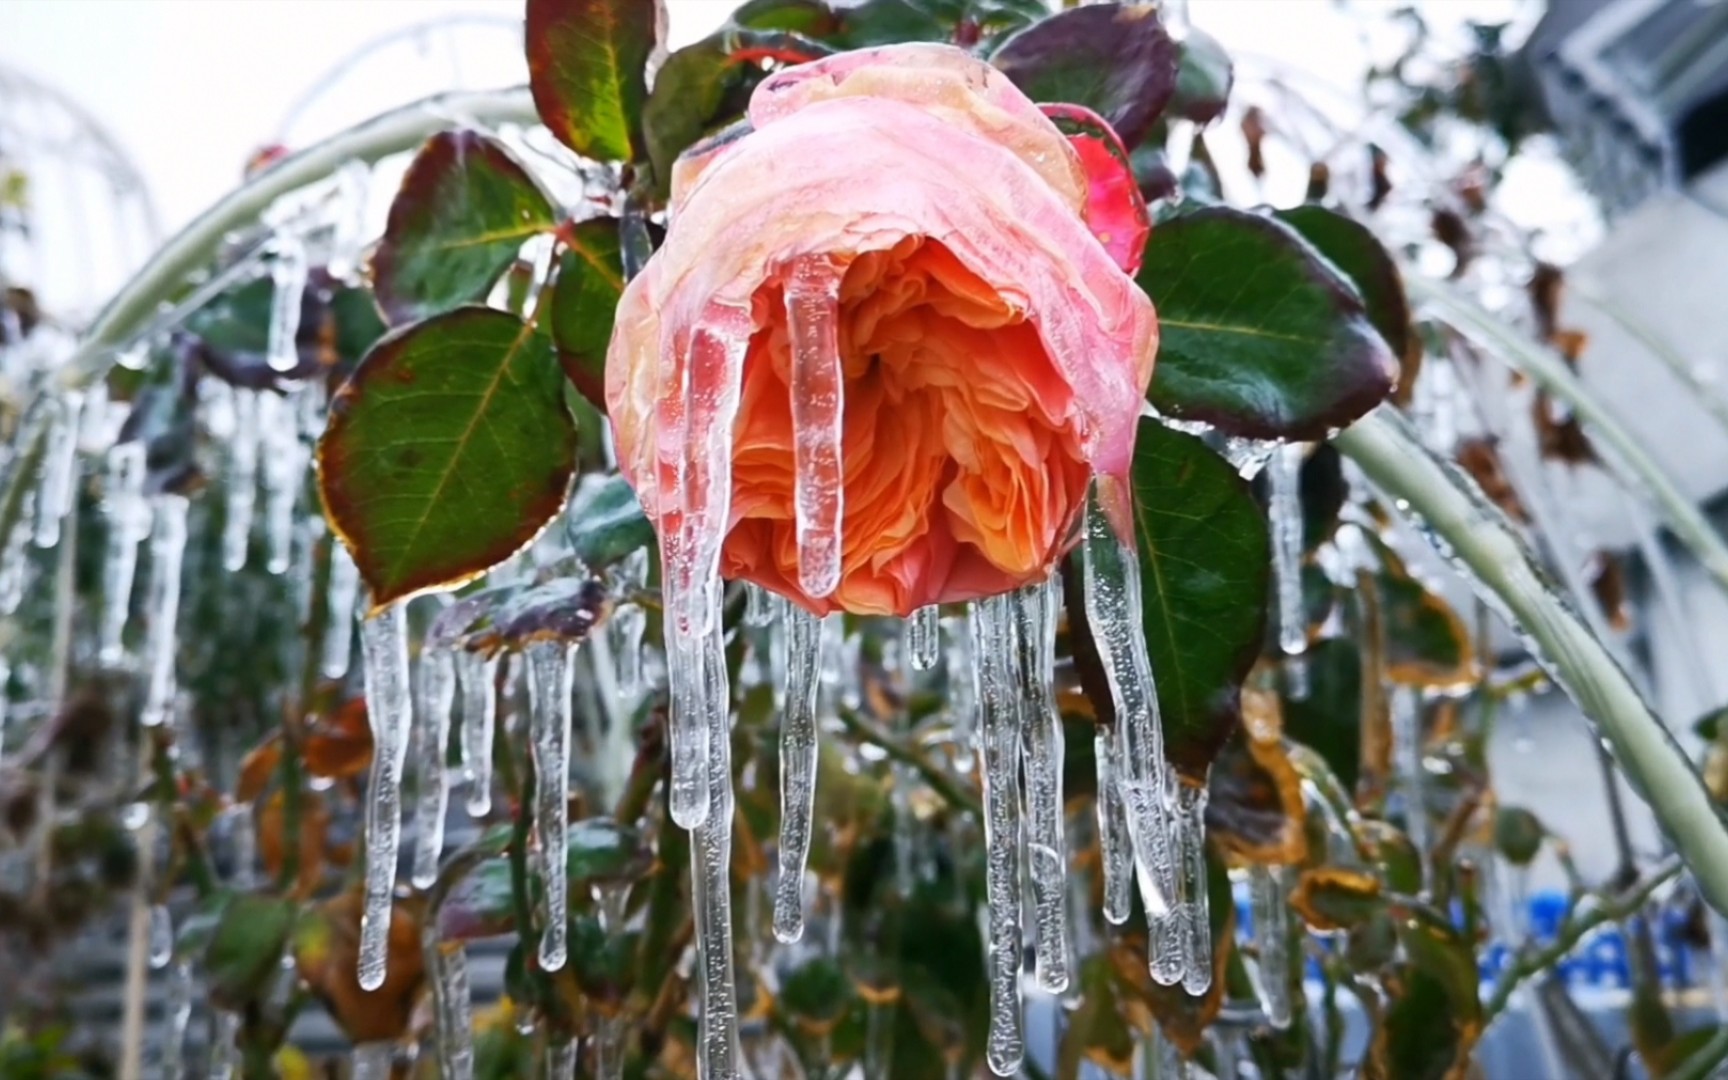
x,y
607,523
584,302
587,62
1518,834
447,452
1204,76
598,851
1426,643
1204,562
461,215
1115,59
1260,336
245,950
812,18
1328,720
1352,248
963,22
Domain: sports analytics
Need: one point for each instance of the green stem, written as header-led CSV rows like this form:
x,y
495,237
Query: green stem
x,y
1702,1065
1449,509
1575,929
1554,376
939,779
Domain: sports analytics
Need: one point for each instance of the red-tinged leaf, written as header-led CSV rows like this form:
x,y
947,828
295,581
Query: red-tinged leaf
x,y
1115,59
584,301
460,217
1115,209
587,63
447,452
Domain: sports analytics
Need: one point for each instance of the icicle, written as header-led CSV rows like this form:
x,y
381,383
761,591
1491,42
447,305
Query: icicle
x,y
904,781
243,837
1190,841
1168,1061
924,638
962,693
224,1048
628,622
167,549
1035,610
348,236
161,936
177,1013
284,470
288,275
549,717
999,742
798,750
242,479
1111,586
452,1006
437,700
561,1060
697,424
5,701
1167,932
128,523
59,490
1271,923
710,867
478,677
1116,851
818,417
1407,743
390,712
344,591
14,566
1285,510
372,1061
759,606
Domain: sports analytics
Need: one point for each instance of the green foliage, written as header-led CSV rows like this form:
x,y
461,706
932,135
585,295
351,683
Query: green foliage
x,y
589,283
587,62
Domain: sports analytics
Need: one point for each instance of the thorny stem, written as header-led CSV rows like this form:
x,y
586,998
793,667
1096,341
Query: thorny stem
x,y
1500,567
939,779
1573,930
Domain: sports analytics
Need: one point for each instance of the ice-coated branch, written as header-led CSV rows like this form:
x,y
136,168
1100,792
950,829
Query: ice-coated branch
x,y
1449,510
1551,373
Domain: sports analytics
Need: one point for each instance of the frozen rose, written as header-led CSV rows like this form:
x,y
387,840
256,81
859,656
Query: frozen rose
x,y
885,347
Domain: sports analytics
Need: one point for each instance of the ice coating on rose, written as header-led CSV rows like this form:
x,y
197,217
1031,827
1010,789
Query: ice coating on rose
x,y
901,238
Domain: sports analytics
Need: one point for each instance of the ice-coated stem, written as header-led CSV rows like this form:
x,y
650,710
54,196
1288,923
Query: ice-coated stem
x,y
1116,850
1271,922
993,638
167,549
452,1005
1035,609
437,700
1110,576
798,750
549,719
924,638
1622,450
390,712
1502,572
224,1044
818,419
128,524
477,676
1407,745
710,868
59,470
177,1014
1196,902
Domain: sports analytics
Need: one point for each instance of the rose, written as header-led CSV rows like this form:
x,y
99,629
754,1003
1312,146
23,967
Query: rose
x,y
902,236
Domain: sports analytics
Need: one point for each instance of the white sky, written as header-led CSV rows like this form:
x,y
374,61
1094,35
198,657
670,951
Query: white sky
x,y
189,88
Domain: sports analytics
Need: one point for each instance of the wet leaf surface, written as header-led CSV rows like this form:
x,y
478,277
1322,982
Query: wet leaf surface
x,y
1115,59
584,301
587,63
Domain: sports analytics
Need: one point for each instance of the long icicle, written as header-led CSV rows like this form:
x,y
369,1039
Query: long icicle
x,y
167,550
58,493
710,867
1111,589
818,420
999,743
224,1051
177,1012
288,276
1271,922
628,622
1284,477
242,479
452,1004
1190,838
549,720
477,676
1035,610
284,473
128,524
1407,745
798,750
1116,850
390,712
437,700
344,591
924,638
